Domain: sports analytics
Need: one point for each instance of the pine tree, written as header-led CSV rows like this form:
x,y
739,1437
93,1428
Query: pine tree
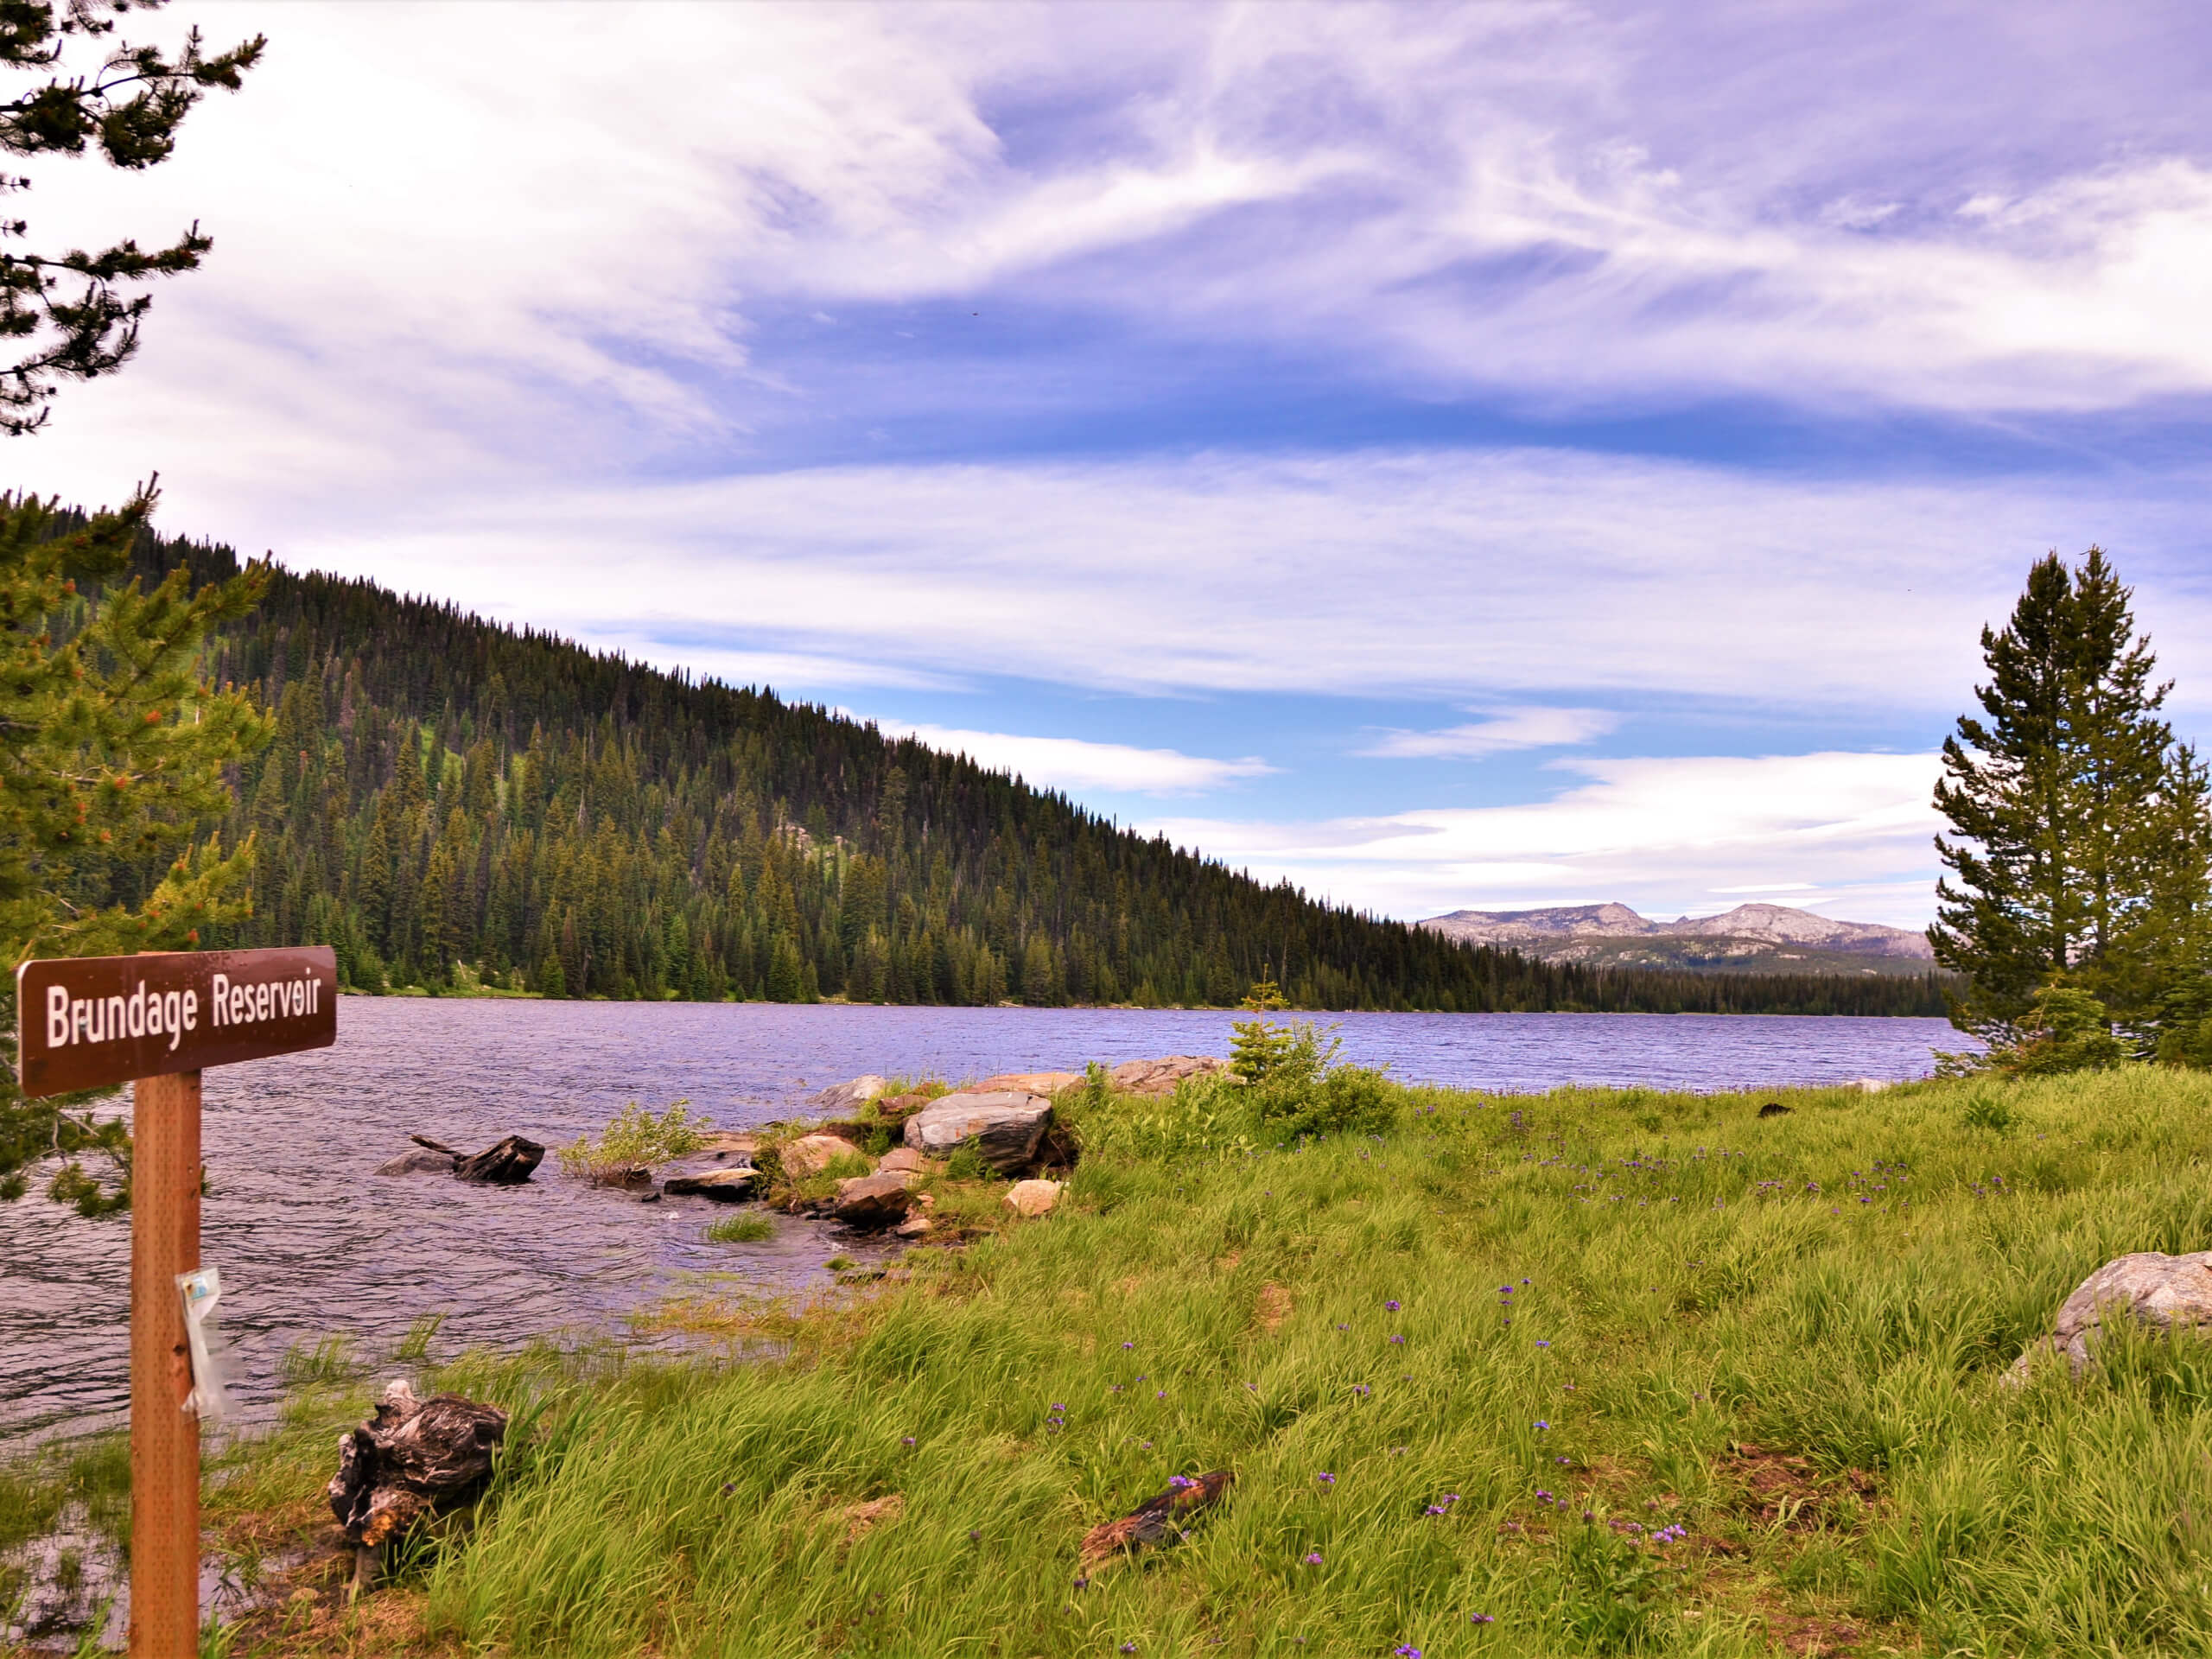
x,y
2079,824
127,109
111,764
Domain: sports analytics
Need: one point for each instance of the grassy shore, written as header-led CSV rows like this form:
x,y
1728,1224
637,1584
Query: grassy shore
x,y
1463,1372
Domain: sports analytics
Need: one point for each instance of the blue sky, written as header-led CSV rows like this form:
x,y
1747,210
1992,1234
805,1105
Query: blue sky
x,y
1452,456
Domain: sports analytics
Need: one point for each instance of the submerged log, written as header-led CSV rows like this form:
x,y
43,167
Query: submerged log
x,y
1167,1514
411,1458
509,1163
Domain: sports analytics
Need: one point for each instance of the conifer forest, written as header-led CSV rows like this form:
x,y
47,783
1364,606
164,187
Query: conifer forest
x,y
460,807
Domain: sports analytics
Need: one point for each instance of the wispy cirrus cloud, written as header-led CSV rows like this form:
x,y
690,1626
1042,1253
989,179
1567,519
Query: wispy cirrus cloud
x,y
1497,733
1486,578
1070,763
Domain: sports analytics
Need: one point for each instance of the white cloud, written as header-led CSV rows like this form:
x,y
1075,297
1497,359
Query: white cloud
x,y
1069,763
429,278
1848,833
1504,730
1490,578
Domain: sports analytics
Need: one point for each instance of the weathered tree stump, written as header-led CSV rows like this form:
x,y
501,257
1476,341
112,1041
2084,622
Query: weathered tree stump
x,y
509,1163
411,1460
1158,1517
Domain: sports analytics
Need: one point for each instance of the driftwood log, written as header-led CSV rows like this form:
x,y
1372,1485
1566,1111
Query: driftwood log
x,y
412,1458
1167,1513
509,1163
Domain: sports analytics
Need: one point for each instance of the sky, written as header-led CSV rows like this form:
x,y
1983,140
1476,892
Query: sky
x,y
1451,456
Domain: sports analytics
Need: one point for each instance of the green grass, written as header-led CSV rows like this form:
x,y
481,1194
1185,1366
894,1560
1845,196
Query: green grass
x,y
1707,1297
741,1230
1785,1336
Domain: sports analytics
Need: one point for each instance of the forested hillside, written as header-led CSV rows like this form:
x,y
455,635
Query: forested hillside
x,y
452,803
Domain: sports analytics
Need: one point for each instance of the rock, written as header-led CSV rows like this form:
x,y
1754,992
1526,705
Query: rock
x,y
1033,1198
723,1144
913,1227
903,1158
1030,1083
1005,1128
419,1163
811,1153
872,1201
848,1129
896,1109
410,1458
1160,1076
2168,1291
843,1096
723,1185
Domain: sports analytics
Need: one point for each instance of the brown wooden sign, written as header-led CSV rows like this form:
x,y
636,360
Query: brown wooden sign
x,y
88,1021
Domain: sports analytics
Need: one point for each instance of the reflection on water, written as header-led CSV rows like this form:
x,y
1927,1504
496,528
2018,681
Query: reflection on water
x,y
311,1244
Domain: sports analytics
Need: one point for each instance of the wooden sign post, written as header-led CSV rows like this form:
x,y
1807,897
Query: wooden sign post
x,y
155,1022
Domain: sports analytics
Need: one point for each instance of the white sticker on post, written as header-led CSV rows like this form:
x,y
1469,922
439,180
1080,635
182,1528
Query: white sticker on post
x,y
201,1289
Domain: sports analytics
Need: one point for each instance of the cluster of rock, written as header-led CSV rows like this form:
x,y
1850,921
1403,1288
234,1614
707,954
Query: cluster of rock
x,y
1005,1122
1006,1125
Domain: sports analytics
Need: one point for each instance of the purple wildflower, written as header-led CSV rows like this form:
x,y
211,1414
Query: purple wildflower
x,y
1312,1558
1392,1304
1540,1343
1480,1618
1398,1339
906,1439
1542,1424
1326,1478
1405,1650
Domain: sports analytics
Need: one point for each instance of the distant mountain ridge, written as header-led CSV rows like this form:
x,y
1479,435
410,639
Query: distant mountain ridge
x,y
1755,937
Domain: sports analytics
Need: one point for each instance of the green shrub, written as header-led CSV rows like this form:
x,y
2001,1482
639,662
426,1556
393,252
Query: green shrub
x,y
637,1138
1348,1099
2068,1030
1986,1112
741,1230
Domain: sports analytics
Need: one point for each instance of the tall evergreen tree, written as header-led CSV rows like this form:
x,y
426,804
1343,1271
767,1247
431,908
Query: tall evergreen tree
x,y
2078,823
113,758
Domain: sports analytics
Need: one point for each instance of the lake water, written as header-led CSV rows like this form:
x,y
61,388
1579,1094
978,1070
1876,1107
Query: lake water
x,y
312,1244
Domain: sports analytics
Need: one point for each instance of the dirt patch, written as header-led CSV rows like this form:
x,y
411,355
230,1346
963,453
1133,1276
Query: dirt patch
x,y
1816,1638
1781,1490
1274,1305
860,1519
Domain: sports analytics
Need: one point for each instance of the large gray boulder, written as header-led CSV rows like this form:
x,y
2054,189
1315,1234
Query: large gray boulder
x,y
1159,1076
1005,1126
2166,1291
848,1096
